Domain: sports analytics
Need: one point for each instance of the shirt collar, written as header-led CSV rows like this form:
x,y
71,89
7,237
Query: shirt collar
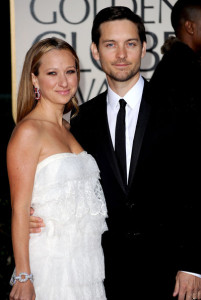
x,y
132,97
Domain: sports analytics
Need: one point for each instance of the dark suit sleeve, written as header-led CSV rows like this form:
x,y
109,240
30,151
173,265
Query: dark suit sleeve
x,y
177,152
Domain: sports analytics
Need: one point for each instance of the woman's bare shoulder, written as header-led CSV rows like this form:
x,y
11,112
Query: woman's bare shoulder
x,y
26,133
27,127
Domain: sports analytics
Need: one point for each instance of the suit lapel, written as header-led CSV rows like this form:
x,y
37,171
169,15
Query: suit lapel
x,y
142,121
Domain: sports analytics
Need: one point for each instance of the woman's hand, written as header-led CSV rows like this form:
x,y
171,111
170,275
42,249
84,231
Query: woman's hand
x,y
23,291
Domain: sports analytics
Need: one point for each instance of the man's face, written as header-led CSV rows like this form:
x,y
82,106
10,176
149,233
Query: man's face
x,y
120,50
197,31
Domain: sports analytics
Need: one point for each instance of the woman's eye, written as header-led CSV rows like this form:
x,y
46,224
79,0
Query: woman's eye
x,y
51,73
70,71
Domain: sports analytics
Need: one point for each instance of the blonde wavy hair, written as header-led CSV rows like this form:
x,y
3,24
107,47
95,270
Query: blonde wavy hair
x,y
26,97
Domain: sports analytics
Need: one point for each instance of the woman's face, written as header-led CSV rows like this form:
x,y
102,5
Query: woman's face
x,y
57,79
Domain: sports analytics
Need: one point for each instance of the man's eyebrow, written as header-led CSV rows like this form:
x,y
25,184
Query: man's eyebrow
x,y
105,41
133,39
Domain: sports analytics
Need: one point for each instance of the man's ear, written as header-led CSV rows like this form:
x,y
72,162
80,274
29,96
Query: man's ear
x,y
189,27
94,51
144,47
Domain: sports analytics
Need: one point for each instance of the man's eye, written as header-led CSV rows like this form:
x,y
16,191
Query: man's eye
x,y
109,45
131,44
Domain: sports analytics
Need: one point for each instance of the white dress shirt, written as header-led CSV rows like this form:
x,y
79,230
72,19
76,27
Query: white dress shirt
x,y
133,100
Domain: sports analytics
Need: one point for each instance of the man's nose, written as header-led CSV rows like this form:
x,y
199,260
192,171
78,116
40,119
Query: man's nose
x,y
121,52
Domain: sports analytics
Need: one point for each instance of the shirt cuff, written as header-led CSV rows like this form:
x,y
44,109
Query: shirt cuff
x,y
195,274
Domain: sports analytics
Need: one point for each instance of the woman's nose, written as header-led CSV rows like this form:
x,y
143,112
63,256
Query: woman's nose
x,y
63,81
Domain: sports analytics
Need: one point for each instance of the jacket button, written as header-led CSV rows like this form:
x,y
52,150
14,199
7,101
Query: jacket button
x,y
130,205
132,235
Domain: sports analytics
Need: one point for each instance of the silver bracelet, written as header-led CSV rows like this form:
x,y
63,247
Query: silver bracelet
x,y
22,277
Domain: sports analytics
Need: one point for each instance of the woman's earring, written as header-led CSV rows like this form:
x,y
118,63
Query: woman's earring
x,y
37,93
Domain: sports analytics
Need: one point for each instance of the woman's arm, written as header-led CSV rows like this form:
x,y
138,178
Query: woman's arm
x,y
22,158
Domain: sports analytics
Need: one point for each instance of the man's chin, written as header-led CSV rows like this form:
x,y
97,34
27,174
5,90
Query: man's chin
x,y
122,77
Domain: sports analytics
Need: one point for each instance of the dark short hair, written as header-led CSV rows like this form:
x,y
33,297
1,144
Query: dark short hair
x,y
183,10
113,13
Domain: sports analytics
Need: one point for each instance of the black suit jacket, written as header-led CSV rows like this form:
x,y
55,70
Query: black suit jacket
x,y
143,247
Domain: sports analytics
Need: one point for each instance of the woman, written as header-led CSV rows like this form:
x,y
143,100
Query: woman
x,y
49,171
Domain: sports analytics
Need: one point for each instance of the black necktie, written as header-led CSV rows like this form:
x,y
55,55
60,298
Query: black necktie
x,y
120,140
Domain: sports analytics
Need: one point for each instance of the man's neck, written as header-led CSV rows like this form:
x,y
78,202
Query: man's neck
x,y
122,88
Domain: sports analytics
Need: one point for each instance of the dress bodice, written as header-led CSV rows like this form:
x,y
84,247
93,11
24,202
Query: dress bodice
x,y
67,185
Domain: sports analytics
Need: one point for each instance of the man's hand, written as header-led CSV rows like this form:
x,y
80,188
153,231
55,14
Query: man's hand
x,y
187,286
35,223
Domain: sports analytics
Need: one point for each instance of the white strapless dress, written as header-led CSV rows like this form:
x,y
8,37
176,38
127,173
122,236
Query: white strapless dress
x,y
66,258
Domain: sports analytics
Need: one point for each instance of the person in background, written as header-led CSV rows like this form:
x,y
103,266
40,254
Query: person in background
x,y
149,239
177,77
176,102
49,171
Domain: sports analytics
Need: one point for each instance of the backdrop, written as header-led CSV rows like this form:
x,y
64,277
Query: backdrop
x,y
71,20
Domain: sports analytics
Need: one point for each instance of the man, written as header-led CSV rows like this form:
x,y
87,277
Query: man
x,y
176,102
141,255
178,74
